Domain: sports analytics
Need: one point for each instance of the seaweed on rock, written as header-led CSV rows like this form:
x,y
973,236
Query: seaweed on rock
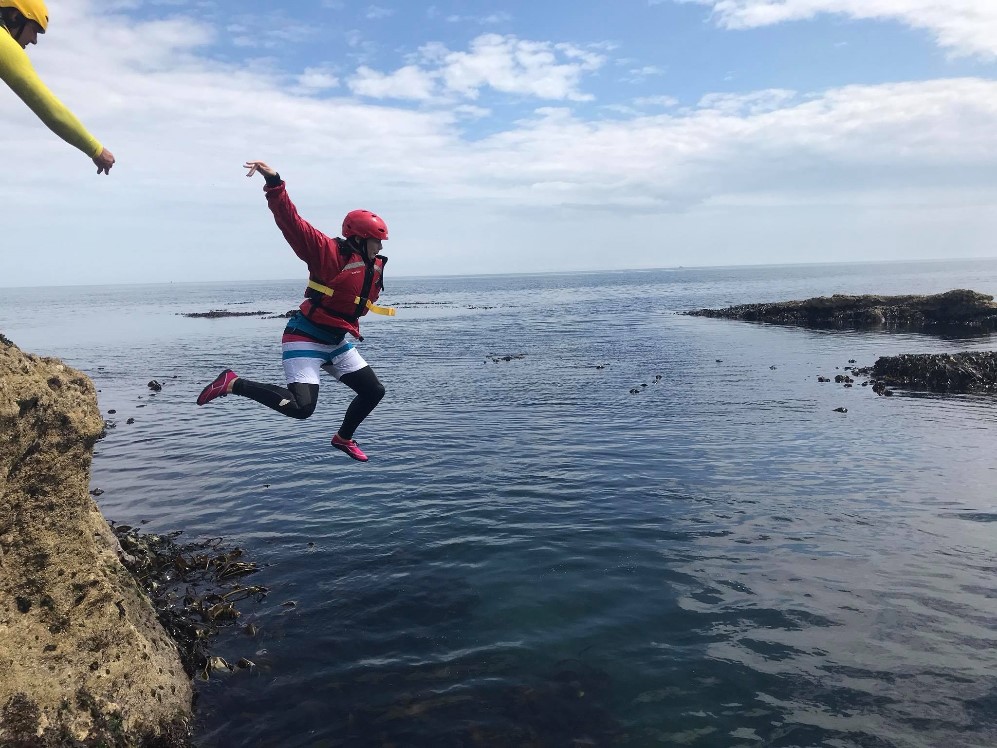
x,y
194,588
972,371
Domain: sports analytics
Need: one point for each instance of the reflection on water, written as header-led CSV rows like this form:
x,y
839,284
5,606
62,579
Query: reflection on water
x,y
535,556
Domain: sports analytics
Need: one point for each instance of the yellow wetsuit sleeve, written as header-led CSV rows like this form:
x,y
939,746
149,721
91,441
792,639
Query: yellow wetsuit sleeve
x,y
17,72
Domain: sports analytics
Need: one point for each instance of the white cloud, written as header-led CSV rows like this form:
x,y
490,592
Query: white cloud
x,y
647,70
271,30
661,101
470,111
755,102
409,82
317,79
641,74
515,66
502,63
966,27
491,18
780,169
375,12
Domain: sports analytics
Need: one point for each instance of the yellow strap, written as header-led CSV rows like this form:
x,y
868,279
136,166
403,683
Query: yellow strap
x,y
385,310
320,288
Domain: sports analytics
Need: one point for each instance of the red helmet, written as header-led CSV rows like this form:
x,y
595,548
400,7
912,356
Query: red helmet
x,y
364,224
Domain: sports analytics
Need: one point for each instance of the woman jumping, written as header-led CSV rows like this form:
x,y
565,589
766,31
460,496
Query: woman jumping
x,y
344,281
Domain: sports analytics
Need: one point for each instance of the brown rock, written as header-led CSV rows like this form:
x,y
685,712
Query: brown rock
x,y
66,602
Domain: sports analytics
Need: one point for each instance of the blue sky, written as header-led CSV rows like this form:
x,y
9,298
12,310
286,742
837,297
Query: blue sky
x,y
667,48
632,133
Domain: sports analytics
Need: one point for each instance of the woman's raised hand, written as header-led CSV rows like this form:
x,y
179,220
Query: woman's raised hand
x,y
261,167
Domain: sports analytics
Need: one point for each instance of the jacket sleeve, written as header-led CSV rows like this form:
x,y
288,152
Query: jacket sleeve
x,y
17,72
318,250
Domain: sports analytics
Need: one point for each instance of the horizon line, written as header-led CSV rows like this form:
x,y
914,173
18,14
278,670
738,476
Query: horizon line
x,y
543,272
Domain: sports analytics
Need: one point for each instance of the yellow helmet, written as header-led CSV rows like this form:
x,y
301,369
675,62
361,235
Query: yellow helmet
x,y
33,10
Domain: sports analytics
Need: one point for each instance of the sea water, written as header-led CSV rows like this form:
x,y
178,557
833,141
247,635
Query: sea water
x,y
537,556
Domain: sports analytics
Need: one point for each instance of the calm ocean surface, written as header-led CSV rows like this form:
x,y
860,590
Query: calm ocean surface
x,y
534,556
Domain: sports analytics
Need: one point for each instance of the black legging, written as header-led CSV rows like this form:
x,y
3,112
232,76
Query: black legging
x,y
298,400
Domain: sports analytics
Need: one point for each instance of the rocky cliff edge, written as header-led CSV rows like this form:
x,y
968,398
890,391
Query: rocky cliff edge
x,y
83,658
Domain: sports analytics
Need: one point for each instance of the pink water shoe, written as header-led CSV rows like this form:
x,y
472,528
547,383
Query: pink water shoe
x,y
350,447
218,388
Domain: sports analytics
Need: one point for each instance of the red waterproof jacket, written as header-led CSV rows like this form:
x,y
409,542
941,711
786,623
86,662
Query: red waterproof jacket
x,y
333,265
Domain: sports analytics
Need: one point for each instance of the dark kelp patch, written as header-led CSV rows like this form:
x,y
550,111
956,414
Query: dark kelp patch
x,y
193,587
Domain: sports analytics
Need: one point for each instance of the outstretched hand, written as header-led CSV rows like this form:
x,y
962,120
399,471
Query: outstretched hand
x,y
261,167
104,161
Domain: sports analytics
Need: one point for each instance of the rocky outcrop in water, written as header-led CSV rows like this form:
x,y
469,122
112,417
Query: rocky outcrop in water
x,y
219,313
83,658
959,307
937,372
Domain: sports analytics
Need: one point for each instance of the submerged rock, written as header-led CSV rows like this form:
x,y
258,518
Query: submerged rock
x,y
82,654
953,308
509,357
973,371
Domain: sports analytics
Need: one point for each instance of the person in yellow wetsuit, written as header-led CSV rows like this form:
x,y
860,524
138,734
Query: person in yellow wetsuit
x,y
21,21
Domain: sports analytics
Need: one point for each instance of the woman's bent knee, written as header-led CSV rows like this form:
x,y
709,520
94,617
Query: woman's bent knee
x,y
305,399
377,393
302,413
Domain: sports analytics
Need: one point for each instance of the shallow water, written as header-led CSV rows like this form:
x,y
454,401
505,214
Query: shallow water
x,y
535,556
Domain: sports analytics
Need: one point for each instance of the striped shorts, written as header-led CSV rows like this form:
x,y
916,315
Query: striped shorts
x,y
305,350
